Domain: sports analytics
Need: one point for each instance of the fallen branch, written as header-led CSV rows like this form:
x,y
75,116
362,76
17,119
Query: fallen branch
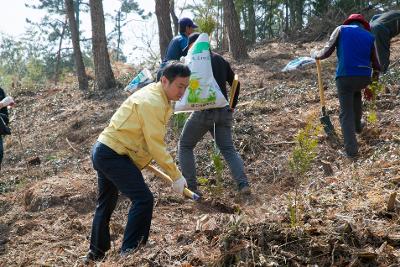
x,y
394,64
280,143
291,242
391,202
293,256
350,219
254,92
17,129
70,145
333,254
388,101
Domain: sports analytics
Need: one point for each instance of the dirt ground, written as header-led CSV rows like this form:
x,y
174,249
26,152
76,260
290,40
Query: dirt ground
x,y
348,214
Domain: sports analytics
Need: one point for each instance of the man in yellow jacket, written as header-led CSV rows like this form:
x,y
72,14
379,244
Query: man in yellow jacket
x,y
134,137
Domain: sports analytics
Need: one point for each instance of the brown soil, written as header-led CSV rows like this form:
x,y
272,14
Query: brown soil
x,y
48,187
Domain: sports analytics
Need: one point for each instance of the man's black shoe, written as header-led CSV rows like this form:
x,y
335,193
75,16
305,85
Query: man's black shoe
x,y
360,127
92,257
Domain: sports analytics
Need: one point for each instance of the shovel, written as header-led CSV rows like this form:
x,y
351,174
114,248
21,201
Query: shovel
x,y
233,90
325,120
186,192
202,204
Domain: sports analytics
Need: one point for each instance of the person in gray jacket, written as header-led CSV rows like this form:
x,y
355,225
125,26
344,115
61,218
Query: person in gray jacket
x,y
385,26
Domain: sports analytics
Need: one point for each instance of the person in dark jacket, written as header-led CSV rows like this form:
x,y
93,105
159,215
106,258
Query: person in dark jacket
x,y
384,27
201,122
4,103
356,55
176,47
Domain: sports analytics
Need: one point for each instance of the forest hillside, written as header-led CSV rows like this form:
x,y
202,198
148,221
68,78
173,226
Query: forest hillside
x,y
336,213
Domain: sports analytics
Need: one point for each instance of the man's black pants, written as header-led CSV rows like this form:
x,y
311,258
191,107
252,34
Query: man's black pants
x,y
349,93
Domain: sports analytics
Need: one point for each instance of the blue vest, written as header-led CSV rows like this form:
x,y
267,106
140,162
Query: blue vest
x,y
354,51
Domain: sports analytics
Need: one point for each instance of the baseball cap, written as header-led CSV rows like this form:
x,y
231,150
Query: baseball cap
x,y
186,22
357,17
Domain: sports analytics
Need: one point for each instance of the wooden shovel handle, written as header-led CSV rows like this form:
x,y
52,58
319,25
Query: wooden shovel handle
x,y
186,191
320,85
233,90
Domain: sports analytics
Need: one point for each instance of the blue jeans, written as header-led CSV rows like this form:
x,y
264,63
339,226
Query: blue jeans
x,y
118,173
197,125
349,92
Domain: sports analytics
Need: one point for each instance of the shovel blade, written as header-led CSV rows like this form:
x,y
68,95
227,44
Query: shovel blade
x,y
327,124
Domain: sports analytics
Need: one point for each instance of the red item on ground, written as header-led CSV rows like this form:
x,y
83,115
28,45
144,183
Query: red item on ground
x,y
368,95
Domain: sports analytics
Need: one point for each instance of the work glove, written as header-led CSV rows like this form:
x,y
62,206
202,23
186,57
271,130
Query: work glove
x,y
313,54
8,101
368,95
179,185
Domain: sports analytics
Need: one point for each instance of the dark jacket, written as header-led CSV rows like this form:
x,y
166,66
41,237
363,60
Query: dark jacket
x,y
3,111
384,27
389,20
223,73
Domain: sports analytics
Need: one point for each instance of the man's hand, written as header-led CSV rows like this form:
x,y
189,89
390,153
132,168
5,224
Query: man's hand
x,y
7,101
368,95
179,185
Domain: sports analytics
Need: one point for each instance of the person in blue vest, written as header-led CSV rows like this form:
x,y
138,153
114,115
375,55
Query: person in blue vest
x,y
357,59
176,47
384,27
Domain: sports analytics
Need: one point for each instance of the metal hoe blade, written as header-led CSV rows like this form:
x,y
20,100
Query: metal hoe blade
x,y
325,120
326,123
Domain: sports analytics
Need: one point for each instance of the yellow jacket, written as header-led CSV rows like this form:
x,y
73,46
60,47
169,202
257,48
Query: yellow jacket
x,y
137,129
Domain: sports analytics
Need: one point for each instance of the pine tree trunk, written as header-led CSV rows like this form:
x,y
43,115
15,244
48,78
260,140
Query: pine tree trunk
x,y
237,44
58,58
164,25
77,13
73,26
292,12
245,19
225,42
173,16
102,67
299,14
270,17
252,21
217,29
286,17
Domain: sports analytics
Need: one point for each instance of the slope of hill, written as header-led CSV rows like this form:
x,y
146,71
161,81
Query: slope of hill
x,y
48,187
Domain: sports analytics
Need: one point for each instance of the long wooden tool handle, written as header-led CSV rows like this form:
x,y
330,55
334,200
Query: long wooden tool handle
x,y
186,191
320,85
233,90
